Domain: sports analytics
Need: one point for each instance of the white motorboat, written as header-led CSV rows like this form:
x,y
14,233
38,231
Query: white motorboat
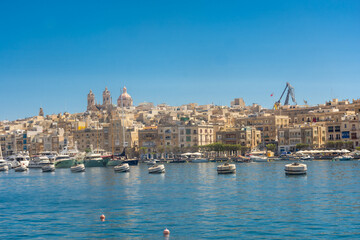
x,y
78,168
306,158
255,158
124,167
152,162
4,168
157,168
295,168
21,168
38,162
226,168
4,163
344,158
199,160
17,160
51,155
48,168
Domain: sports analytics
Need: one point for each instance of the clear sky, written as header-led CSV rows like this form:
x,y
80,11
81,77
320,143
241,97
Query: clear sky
x,y
53,52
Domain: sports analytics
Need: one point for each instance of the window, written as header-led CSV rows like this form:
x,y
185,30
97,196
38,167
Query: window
x,y
331,129
188,131
188,138
337,128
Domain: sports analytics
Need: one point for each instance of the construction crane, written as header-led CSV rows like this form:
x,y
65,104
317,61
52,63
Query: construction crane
x,y
291,91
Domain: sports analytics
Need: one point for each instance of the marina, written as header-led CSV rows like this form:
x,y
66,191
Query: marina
x,y
253,203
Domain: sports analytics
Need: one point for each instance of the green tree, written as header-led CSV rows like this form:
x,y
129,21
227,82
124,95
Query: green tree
x,y
301,146
271,147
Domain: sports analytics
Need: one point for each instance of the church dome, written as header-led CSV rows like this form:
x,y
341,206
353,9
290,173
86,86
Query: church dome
x,y
125,98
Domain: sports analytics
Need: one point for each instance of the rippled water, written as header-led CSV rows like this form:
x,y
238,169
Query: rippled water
x,y
192,200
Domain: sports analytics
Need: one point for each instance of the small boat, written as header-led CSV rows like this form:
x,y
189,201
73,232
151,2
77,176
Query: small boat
x,y
131,162
48,168
255,158
157,168
21,168
344,158
306,158
295,169
4,168
124,167
226,168
78,168
200,160
152,162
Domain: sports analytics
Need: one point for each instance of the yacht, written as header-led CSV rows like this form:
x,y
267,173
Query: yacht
x,y
38,162
226,168
295,169
64,161
19,159
78,168
122,168
48,168
51,155
157,168
152,162
4,166
94,160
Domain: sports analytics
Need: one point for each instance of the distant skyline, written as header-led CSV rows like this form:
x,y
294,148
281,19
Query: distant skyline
x,y
176,52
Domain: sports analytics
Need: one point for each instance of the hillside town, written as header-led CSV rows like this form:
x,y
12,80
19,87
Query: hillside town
x,y
147,129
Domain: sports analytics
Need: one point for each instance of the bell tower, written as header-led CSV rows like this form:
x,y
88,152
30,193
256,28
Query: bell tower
x,y
106,97
90,100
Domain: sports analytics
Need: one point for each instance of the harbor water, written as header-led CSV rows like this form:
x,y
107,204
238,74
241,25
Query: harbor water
x,y
191,200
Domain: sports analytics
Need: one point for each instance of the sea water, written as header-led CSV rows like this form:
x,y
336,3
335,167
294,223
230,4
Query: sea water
x,y
191,200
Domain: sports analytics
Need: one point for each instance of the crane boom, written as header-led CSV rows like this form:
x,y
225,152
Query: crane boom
x,y
290,92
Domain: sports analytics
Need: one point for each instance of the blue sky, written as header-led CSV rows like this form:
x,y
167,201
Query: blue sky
x,y
53,52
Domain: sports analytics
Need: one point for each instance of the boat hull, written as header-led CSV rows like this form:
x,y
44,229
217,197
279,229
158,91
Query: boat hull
x,y
94,163
133,162
78,168
49,168
65,163
122,168
113,163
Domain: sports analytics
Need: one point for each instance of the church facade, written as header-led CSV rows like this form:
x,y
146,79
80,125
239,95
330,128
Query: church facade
x,y
124,100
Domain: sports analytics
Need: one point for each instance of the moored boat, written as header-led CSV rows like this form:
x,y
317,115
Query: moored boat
x,y
78,168
94,160
48,168
4,168
254,158
226,168
124,167
344,158
21,168
64,161
38,162
157,168
295,169
199,160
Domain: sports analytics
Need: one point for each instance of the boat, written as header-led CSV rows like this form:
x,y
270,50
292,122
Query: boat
x,y
64,161
306,158
78,168
4,168
152,162
21,168
19,159
38,162
94,160
48,167
295,169
255,158
157,168
51,155
226,168
199,160
344,158
124,167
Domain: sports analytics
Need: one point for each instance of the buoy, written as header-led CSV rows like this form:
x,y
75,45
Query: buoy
x,y
166,232
102,217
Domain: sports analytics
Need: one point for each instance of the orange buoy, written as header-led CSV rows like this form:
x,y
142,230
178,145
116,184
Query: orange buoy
x,y
166,232
102,217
